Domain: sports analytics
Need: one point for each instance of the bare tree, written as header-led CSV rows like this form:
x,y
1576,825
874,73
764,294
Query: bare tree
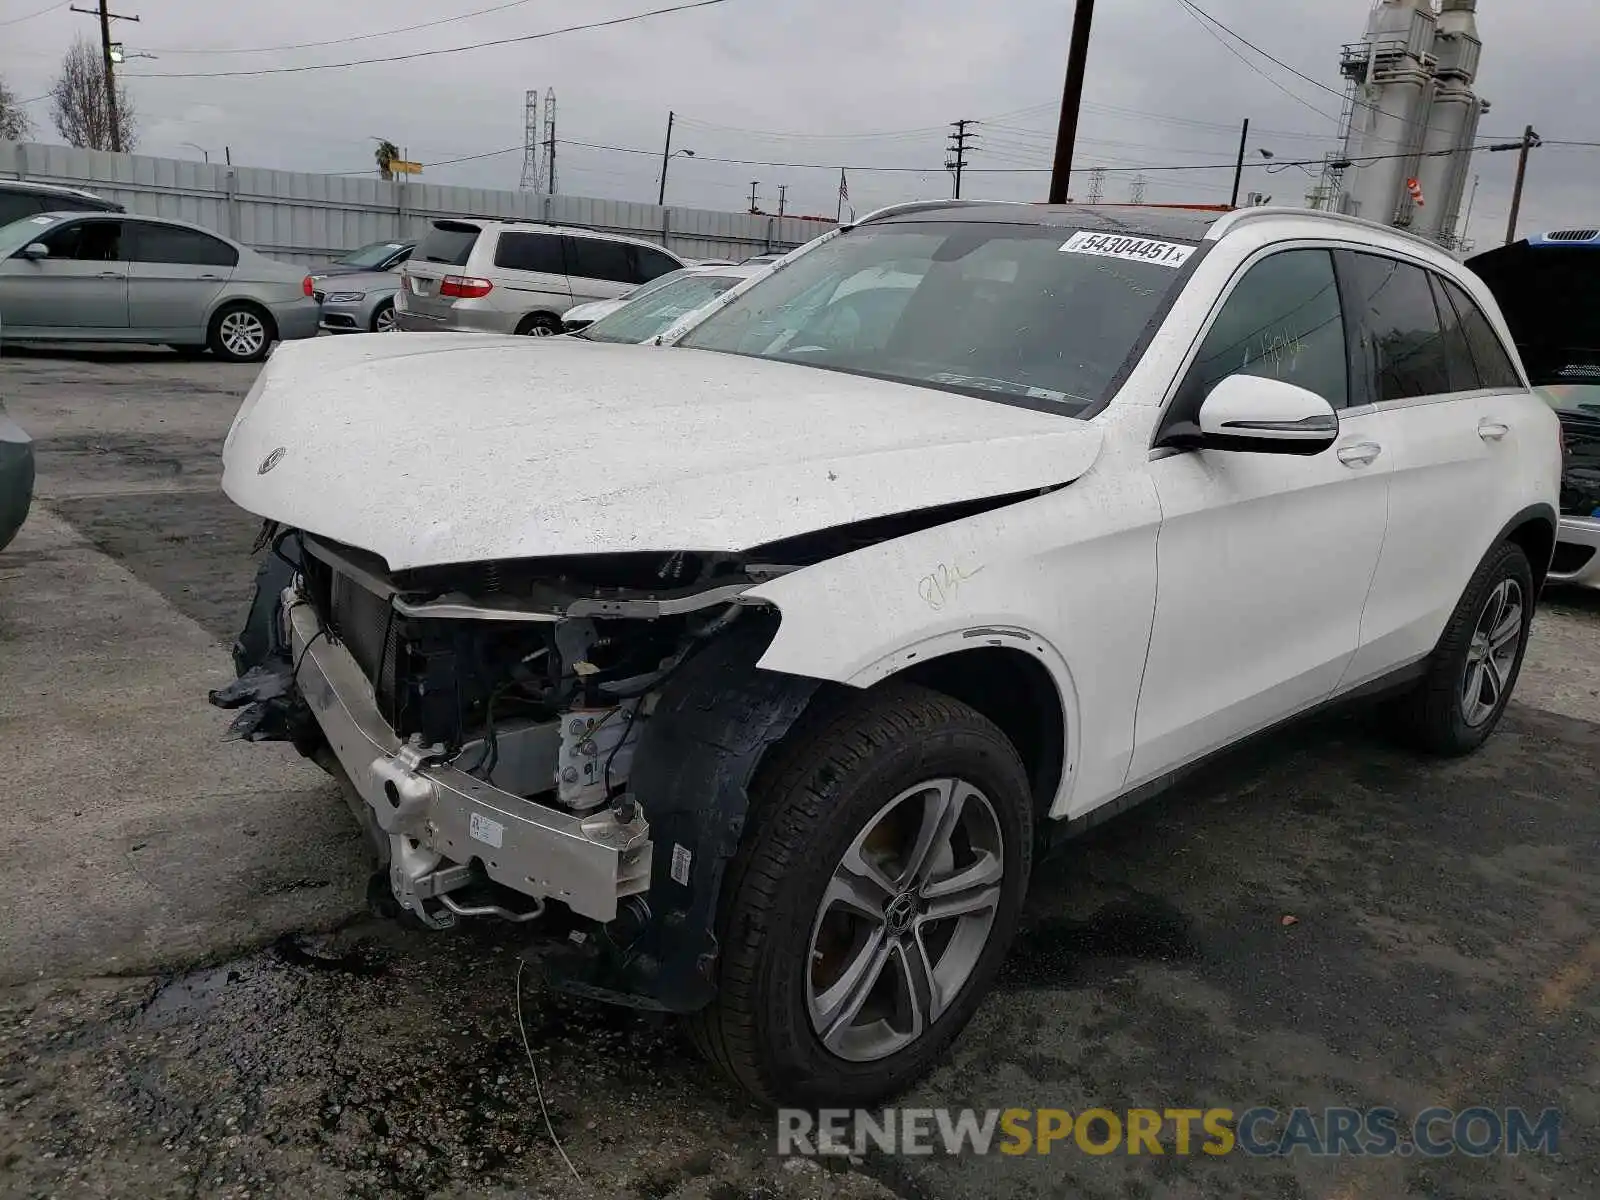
x,y
14,122
78,101
386,153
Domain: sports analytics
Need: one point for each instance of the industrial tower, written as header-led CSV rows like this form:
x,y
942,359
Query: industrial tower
x,y
1410,117
531,181
538,149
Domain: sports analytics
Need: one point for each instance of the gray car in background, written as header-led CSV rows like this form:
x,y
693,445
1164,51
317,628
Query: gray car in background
x,y
16,474
106,277
357,303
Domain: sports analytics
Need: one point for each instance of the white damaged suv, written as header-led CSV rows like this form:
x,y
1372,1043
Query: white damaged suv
x,y
773,652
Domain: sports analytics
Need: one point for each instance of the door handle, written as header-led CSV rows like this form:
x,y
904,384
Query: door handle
x,y
1362,454
112,275
211,277
1492,431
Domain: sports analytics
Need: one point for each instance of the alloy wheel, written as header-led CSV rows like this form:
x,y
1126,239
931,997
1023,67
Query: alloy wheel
x,y
243,334
904,919
1492,653
385,322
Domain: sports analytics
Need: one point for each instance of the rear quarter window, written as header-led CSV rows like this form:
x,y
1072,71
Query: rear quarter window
x,y
448,242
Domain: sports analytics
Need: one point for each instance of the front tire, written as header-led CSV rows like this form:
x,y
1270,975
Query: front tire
x,y
384,320
872,900
1474,671
241,333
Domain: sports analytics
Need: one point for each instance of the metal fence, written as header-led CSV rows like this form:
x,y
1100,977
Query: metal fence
x,y
307,218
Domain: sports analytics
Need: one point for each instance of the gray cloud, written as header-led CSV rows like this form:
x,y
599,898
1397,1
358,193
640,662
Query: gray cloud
x,y
1161,91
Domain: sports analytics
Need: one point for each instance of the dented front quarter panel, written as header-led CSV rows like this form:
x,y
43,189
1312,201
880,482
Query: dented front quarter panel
x,y
1069,576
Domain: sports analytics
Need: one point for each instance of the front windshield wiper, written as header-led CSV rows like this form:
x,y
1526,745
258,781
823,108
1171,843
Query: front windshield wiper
x,y
1009,386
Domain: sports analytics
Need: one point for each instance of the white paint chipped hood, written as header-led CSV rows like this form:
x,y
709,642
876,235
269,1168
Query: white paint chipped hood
x,y
429,449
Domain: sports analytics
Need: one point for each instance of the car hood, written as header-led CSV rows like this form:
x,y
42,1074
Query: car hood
x,y
331,269
430,449
359,281
1550,295
592,311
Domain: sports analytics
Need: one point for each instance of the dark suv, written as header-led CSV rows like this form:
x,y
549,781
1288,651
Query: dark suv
x,y
19,199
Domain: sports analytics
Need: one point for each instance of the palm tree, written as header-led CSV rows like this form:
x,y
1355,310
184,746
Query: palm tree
x,y
386,153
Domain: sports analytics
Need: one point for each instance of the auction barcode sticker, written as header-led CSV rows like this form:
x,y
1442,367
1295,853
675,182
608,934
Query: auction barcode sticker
x,y
1135,249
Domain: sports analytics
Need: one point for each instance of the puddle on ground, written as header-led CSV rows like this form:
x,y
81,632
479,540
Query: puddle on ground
x,y
1053,953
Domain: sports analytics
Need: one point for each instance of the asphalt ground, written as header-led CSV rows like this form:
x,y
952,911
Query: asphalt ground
x,y
193,1001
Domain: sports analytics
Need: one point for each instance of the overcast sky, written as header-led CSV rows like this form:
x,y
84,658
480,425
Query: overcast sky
x,y
823,73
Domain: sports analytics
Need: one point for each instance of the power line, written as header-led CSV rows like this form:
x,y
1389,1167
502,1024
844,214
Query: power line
x,y
32,15
759,162
1198,11
364,62
771,134
1195,13
359,37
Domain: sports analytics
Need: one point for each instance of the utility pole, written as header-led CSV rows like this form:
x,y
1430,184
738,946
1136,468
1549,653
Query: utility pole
x,y
1097,185
1530,139
1238,170
783,189
1466,225
754,184
106,17
957,150
666,154
550,139
1136,191
1071,100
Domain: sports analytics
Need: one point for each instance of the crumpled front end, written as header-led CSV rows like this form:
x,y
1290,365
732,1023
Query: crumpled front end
x,y
491,725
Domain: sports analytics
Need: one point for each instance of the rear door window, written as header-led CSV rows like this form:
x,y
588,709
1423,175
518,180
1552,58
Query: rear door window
x,y
181,247
652,264
530,252
1402,343
1495,368
448,242
1459,363
598,258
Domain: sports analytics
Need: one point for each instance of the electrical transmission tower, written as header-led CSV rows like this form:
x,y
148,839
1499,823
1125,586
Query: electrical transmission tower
x,y
547,168
1136,192
532,170
956,159
1097,185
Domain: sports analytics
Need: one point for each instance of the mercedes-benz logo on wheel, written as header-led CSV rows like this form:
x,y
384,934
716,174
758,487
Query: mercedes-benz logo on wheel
x,y
272,460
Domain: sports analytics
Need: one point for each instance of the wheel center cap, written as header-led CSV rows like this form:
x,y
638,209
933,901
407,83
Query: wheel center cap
x,y
900,912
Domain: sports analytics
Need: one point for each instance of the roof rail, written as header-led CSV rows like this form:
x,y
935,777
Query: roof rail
x,y
913,206
1243,216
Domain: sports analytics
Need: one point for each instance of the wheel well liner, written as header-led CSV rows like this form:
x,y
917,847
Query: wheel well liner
x,y
697,758
1534,529
1013,689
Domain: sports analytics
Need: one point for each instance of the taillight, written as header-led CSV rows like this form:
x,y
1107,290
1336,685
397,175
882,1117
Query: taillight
x,y
466,287
305,285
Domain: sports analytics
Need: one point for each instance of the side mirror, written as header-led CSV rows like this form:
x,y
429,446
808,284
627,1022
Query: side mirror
x,y
1251,414
36,250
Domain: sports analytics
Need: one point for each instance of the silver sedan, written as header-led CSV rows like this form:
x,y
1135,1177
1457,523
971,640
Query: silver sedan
x,y
104,277
358,303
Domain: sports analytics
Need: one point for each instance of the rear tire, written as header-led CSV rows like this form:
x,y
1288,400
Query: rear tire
x,y
1474,671
846,803
539,325
241,332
